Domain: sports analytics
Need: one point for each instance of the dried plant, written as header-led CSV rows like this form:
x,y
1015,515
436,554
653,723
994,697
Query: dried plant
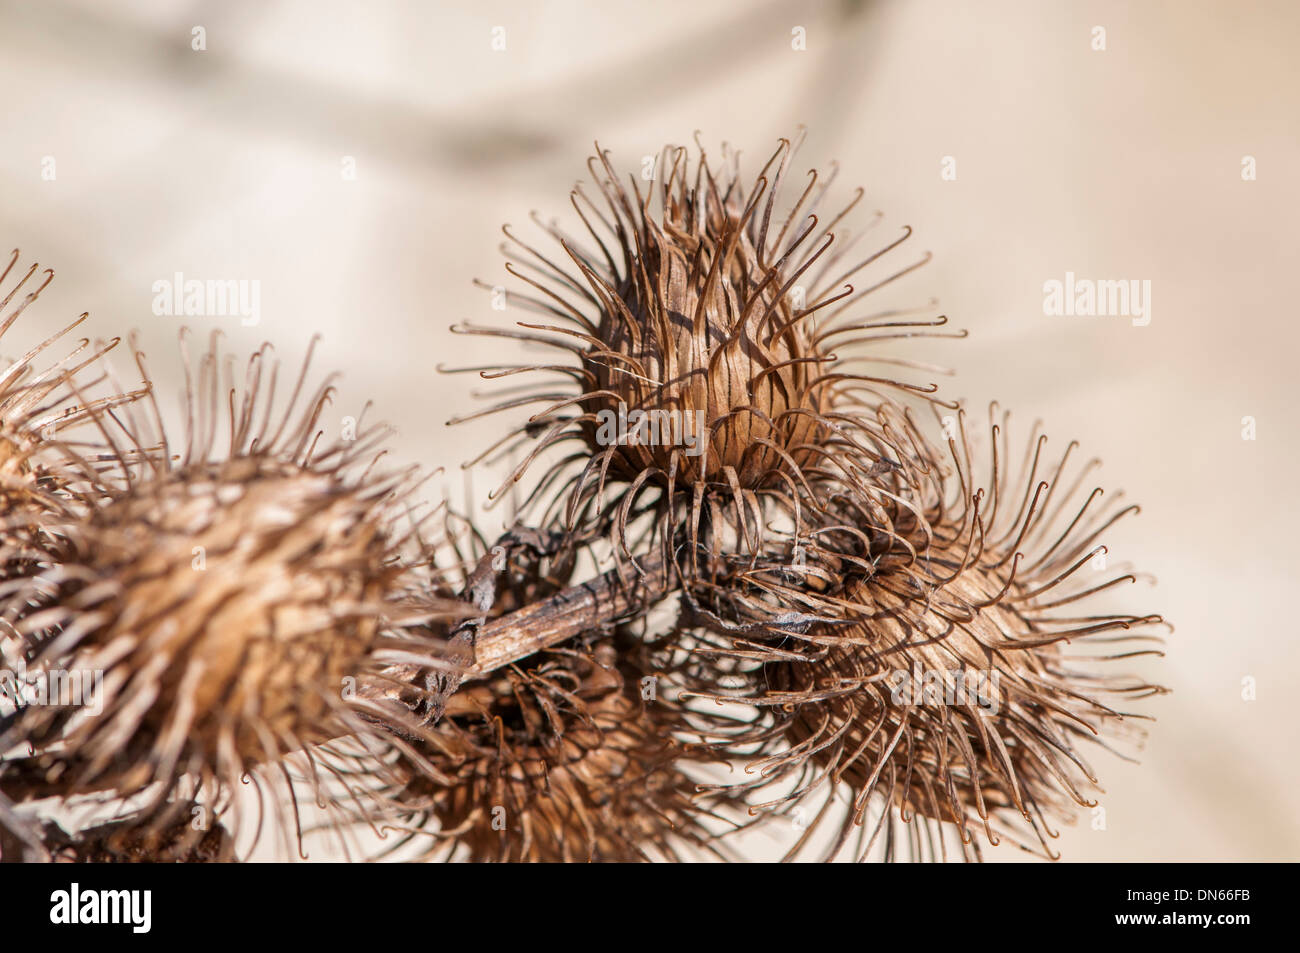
x,y
570,758
125,841
801,571
226,597
38,407
703,394
966,673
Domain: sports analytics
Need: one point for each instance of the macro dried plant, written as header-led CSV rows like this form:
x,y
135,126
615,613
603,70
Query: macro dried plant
x,y
709,387
37,406
966,676
569,758
759,574
222,598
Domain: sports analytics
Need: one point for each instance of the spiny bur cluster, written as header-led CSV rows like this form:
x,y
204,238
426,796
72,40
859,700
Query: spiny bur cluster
x,y
217,606
762,576
916,630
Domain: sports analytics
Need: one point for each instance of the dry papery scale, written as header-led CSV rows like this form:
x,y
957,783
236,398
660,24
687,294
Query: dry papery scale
x,y
238,601
767,587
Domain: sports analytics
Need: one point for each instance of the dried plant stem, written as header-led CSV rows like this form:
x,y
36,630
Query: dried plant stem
x,y
587,608
480,646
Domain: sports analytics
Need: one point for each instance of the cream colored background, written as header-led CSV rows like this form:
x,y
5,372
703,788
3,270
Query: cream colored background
x,y
1117,164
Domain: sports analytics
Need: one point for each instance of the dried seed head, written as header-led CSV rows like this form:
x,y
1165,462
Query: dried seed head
x,y
701,326
40,407
967,672
225,605
562,760
700,330
269,573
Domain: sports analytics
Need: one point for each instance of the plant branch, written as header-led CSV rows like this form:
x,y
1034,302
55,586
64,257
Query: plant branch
x,y
479,646
593,605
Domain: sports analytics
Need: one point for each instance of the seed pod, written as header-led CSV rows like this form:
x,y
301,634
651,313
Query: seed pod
x,y
566,758
225,605
966,672
704,396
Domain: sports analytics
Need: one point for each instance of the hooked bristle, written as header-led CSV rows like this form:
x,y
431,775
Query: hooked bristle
x,y
708,337
568,757
226,605
43,410
963,676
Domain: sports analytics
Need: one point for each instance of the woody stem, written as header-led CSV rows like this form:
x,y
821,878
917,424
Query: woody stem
x,y
590,606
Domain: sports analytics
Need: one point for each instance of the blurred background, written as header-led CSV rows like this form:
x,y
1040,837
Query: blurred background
x,y
358,159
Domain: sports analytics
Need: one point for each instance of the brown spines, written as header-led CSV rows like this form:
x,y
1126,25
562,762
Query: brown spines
x,y
567,757
228,606
960,681
703,393
702,328
819,540
903,638
237,595
46,407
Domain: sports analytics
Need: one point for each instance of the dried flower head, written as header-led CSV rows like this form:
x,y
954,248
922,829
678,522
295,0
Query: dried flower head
x,y
225,604
967,671
36,407
891,654
567,757
703,389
